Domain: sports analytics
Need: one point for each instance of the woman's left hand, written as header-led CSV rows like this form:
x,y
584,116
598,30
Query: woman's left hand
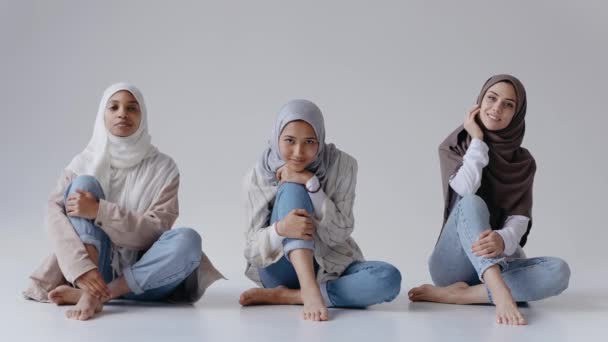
x,y
285,174
82,204
489,244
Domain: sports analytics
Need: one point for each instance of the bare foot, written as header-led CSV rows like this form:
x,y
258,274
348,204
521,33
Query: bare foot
x,y
314,305
65,295
506,309
86,308
274,296
453,294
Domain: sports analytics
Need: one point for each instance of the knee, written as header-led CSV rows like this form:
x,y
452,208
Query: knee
x,y
293,190
473,204
187,243
388,279
292,196
560,273
86,183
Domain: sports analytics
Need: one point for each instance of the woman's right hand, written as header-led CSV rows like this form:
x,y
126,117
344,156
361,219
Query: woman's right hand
x,y
470,125
296,225
93,283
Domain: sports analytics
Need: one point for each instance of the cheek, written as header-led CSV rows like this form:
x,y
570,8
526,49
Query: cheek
x,y
311,153
107,119
284,151
137,120
508,118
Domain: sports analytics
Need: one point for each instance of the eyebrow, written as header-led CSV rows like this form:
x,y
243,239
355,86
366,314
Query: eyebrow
x,y
291,136
130,102
508,99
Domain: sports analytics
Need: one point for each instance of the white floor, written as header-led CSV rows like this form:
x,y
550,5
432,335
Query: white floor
x,y
577,315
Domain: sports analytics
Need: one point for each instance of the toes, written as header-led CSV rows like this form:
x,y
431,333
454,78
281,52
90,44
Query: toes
x,y
72,314
324,315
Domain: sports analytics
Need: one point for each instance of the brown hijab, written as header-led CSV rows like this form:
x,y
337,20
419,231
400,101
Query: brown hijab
x,y
506,183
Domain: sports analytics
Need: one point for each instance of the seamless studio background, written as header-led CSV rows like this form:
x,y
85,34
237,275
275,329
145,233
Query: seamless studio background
x,y
392,78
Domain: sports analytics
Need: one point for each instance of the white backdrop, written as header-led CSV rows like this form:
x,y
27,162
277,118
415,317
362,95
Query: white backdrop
x,y
393,78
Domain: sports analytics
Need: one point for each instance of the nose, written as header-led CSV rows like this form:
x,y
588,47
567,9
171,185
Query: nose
x,y
122,113
297,150
497,107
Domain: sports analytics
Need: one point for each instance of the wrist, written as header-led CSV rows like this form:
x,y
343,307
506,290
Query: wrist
x,y
277,228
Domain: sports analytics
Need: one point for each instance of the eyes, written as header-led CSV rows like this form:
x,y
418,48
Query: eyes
x,y
292,141
130,109
506,104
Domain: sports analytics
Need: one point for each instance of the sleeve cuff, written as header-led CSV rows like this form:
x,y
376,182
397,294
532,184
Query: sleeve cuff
x,y
480,145
276,240
101,218
318,197
510,244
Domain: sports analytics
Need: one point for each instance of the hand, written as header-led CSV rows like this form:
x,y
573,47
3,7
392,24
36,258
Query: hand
x,y
489,245
296,225
82,204
93,283
470,125
285,174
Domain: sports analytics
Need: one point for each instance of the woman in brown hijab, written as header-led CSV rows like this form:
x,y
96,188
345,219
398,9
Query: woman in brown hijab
x,y
487,185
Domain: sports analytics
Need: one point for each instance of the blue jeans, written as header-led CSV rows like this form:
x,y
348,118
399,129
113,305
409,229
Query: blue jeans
x,y
452,260
362,284
168,262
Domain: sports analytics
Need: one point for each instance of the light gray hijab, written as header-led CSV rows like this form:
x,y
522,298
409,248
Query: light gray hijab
x,y
308,112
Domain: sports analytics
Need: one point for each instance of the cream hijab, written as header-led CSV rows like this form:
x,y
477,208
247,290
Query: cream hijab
x,y
106,151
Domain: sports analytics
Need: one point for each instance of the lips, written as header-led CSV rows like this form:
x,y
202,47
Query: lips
x,y
493,117
123,124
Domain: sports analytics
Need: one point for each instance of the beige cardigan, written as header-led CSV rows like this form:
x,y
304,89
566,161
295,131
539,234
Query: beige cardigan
x,y
335,250
124,228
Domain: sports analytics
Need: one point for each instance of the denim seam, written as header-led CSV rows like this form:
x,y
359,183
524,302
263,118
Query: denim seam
x,y
486,263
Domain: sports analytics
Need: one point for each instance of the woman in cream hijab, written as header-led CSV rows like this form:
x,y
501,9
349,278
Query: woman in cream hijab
x,y
110,219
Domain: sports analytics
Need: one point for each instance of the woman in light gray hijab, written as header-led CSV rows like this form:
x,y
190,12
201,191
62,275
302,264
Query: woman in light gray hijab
x,y
300,199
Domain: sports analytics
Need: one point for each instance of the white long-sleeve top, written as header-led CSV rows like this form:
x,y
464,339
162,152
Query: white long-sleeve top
x,y
467,180
335,249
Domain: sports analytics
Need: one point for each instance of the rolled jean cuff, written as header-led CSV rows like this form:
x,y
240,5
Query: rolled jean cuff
x,y
487,263
325,294
91,240
131,282
291,244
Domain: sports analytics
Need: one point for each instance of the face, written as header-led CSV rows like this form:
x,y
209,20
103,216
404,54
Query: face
x,y
298,145
498,106
122,114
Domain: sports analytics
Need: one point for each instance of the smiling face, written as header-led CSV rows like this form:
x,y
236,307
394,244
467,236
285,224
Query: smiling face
x,y
298,145
122,114
498,106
